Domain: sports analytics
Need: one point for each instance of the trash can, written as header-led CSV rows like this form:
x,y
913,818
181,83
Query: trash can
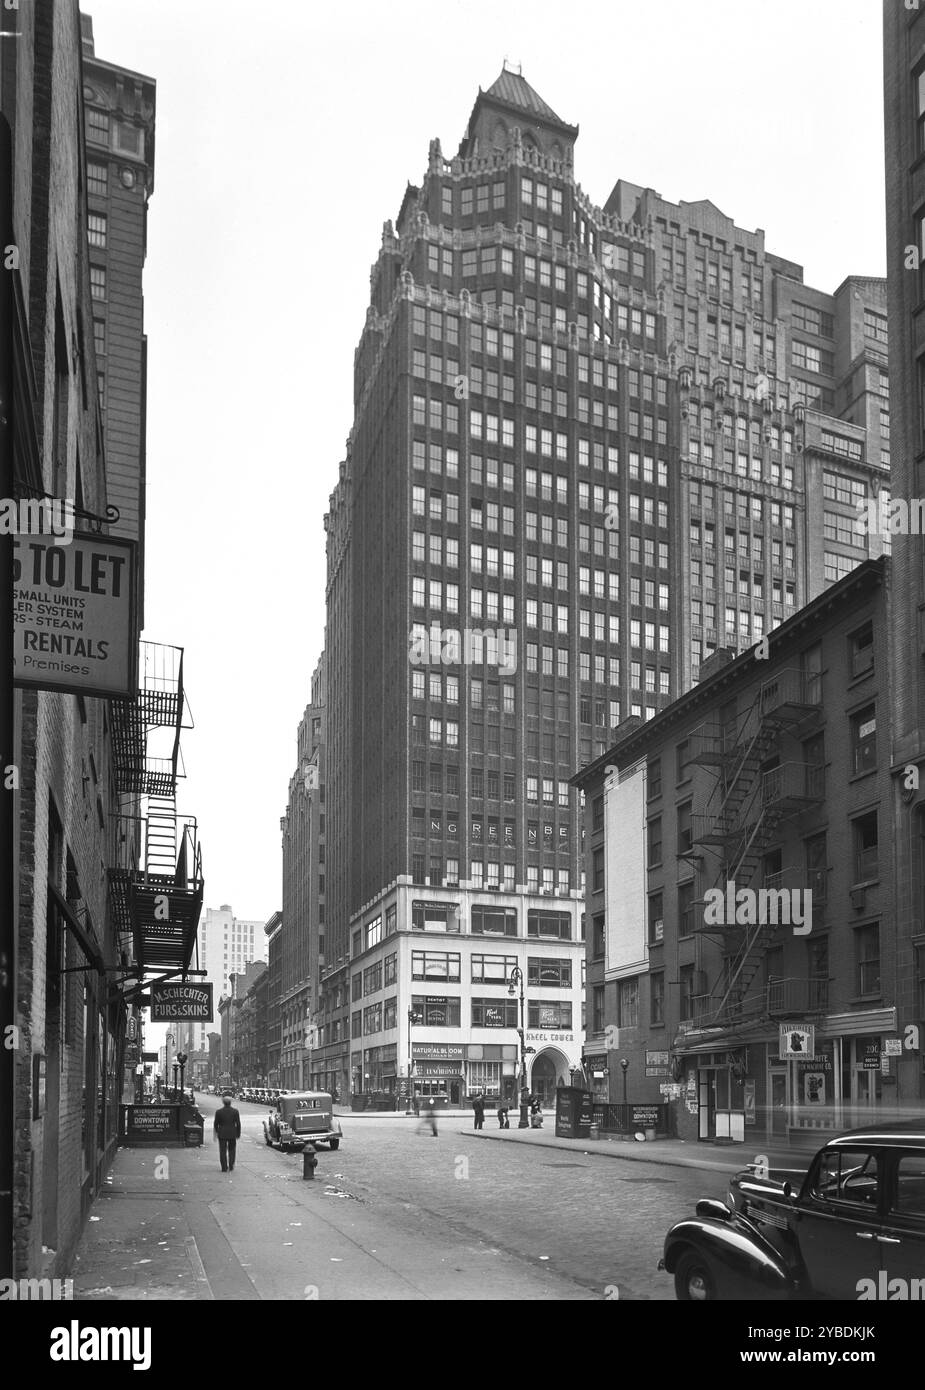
x,y
192,1136
594,1131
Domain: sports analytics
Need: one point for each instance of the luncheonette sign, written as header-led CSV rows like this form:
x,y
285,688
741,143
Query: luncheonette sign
x,y
75,615
171,1000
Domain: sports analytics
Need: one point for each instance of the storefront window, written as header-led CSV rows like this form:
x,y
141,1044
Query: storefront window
x,y
485,1077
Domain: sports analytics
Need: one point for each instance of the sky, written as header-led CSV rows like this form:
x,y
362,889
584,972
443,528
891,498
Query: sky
x,y
286,134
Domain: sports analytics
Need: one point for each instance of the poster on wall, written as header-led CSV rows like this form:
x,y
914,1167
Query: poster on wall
x,y
748,1101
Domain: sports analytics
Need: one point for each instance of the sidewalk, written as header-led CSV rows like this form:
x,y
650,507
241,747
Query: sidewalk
x,y
138,1242
673,1153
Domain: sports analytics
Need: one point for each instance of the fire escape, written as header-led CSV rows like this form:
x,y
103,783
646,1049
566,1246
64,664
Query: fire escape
x,y
156,891
757,791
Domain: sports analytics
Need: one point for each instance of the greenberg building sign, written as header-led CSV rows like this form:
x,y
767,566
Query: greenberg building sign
x,y
172,1001
75,615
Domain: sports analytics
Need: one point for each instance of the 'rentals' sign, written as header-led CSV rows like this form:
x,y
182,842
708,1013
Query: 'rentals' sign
x,y
75,615
171,1001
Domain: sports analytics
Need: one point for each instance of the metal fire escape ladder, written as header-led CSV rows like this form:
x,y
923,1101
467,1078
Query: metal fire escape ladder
x,y
777,704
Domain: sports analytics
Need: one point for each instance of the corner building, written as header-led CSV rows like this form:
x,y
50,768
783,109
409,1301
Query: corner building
x,y
598,434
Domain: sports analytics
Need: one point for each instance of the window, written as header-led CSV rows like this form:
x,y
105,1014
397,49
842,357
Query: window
x,y
866,857
492,970
875,326
98,126
686,908
97,179
557,925
817,877
867,957
549,1013
549,970
848,1175
97,282
434,917
628,1003
685,832
493,921
597,1008
436,1011
435,965
861,650
655,840
656,919
657,997
96,229
372,978
597,937
686,992
494,1013
597,883
864,739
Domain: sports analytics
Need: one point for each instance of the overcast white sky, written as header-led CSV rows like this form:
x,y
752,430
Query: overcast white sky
x,y
286,133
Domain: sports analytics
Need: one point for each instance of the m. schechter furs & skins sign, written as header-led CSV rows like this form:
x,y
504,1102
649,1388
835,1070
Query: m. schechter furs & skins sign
x,y
171,1001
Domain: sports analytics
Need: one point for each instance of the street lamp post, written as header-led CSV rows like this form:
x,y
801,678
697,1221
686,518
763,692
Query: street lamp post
x,y
624,1067
176,1068
412,1019
181,1061
517,978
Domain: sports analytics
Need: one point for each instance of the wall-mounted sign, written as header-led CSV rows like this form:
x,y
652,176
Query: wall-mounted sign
x,y
798,1040
656,1059
75,615
438,1051
869,1050
893,1047
172,1000
549,1037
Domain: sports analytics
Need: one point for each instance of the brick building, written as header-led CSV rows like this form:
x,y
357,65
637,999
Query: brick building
x,y
273,931
773,774
904,103
602,433
72,1025
302,935
119,113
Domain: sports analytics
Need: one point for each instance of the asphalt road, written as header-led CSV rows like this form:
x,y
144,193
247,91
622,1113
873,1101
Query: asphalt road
x,y
398,1214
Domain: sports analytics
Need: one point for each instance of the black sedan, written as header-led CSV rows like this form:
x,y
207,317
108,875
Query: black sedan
x,y
852,1227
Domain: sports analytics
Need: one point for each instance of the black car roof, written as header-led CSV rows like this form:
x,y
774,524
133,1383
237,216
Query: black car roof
x,y
898,1135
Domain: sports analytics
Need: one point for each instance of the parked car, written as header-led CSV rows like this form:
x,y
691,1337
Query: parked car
x,y
851,1227
300,1118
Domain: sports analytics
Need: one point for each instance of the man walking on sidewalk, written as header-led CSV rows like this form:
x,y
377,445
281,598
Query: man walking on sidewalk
x,y
227,1128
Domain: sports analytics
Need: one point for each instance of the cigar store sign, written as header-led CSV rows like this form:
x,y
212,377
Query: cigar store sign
x,y
75,615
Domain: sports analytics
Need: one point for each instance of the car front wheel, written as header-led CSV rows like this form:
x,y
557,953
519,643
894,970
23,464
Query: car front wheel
x,y
693,1280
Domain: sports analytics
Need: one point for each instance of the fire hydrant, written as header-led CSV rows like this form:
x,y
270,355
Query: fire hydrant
x,y
309,1161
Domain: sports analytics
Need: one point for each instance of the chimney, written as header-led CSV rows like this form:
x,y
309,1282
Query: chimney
x,y
716,661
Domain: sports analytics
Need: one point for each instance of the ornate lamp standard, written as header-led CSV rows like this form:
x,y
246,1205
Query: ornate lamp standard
x,y
181,1061
517,978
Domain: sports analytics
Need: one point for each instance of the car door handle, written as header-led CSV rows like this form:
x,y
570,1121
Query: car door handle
x,y
864,1235
890,1240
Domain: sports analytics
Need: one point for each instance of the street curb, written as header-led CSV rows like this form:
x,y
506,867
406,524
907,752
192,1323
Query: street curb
x,y
670,1160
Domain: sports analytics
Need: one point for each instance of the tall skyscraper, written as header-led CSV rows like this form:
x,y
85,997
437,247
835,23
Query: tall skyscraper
x,y
227,945
590,447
